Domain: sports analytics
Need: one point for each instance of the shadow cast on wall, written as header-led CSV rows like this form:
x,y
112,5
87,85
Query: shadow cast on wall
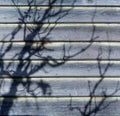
x,y
34,44
36,21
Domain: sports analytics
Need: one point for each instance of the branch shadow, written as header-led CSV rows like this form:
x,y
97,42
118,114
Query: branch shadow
x,y
97,103
23,68
30,33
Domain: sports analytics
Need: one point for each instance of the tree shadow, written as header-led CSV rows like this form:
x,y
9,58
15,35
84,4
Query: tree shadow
x,y
21,64
97,103
32,13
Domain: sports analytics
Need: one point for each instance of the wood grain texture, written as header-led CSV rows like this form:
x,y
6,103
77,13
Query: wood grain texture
x,y
73,50
57,106
51,68
77,14
66,2
65,32
42,83
59,86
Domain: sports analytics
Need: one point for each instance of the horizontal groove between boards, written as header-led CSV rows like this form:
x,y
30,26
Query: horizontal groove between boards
x,y
63,5
60,41
60,60
104,42
66,78
66,60
59,5
60,23
53,77
61,97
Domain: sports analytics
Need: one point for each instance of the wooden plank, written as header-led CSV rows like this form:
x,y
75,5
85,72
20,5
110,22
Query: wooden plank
x,y
56,50
57,106
64,32
77,14
65,2
58,68
58,86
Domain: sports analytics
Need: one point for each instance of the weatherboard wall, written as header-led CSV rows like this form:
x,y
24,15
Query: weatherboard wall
x,y
70,80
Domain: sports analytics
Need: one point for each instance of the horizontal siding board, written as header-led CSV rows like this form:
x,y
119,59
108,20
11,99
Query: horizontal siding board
x,y
65,2
57,106
82,65
59,86
70,68
66,32
56,50
83,14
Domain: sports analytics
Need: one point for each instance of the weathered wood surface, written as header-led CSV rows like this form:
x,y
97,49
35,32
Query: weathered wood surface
x,y
58,106
65,2
59,86
77,14
65,32
73,50
74,77
51,68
